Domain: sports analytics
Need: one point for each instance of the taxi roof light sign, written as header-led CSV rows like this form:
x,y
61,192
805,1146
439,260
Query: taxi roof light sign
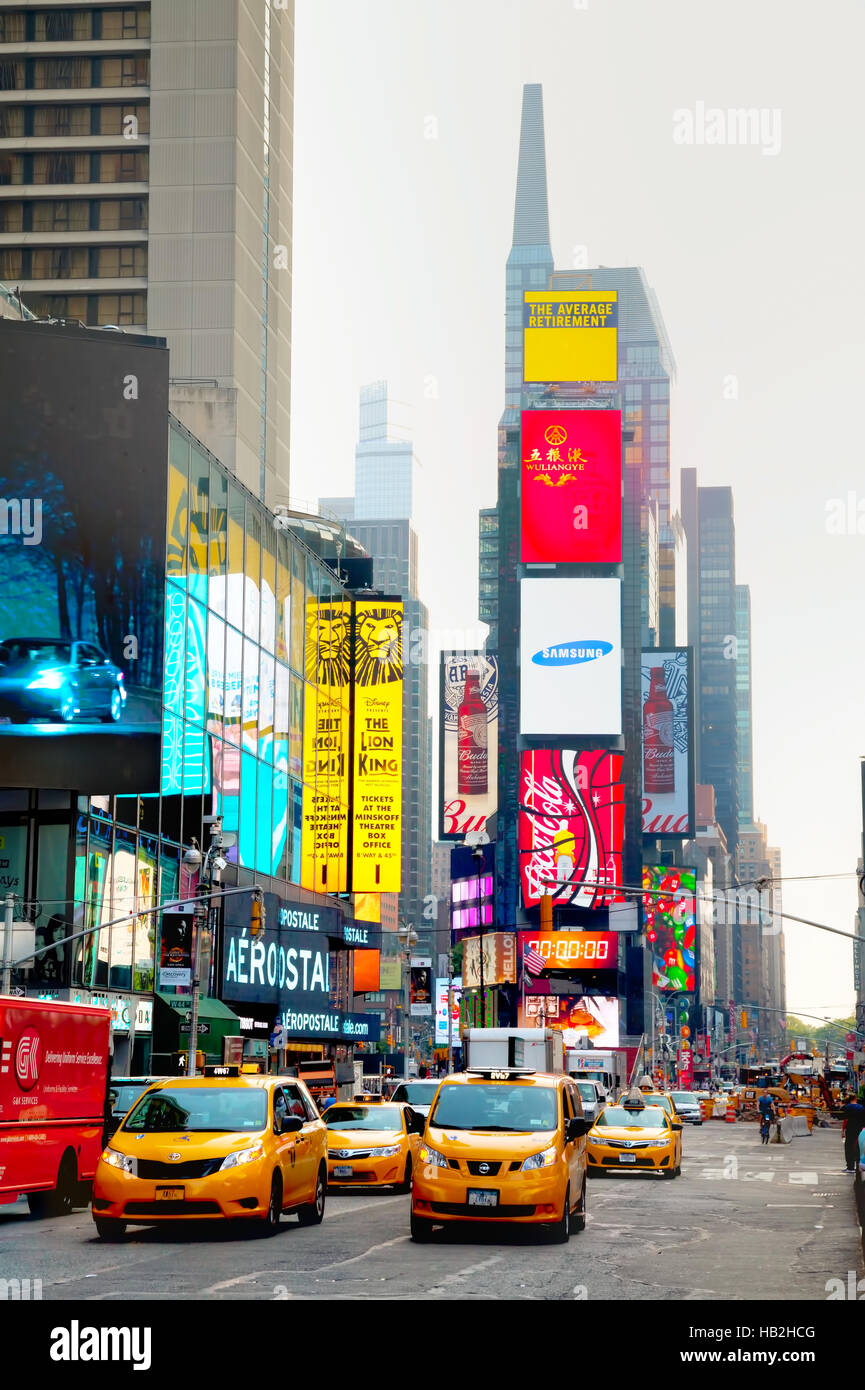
x,y
500,1073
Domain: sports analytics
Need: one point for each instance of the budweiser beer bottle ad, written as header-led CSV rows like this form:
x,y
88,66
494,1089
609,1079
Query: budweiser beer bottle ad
x,y
668,773
468,742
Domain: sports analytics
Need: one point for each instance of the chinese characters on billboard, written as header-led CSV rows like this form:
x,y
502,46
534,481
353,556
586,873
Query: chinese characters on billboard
x,y
665,692
571,657
377,758
570,336
669,911
468,767
571,486
571,827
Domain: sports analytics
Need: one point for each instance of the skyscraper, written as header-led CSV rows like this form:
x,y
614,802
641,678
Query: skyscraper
x,y
707,515
385,478
744,737
145,183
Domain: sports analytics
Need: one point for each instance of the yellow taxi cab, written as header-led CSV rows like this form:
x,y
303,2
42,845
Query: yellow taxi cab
x,y
502,1144
214,1147
371,1143
667,1103
634,1135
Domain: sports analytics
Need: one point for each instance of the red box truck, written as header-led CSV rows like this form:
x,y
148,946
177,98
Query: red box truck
x,y
54,1066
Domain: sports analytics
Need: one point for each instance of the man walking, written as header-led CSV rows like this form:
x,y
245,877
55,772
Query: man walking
x,y
853,1116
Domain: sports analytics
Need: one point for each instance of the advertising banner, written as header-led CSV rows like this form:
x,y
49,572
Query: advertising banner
x,y
573,950
326,734
571,486
390,975
83,504
420,987
175,947
578,1016
571,827
570,335
441,1024
668,743
499,956
367,971
669,913
571,657
377,770
468,742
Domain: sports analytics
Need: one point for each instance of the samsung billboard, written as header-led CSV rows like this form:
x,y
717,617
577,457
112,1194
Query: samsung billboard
x,y
83,486
571,658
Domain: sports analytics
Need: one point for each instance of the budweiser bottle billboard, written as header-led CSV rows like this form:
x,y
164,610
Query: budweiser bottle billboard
x,y
658,765
472,740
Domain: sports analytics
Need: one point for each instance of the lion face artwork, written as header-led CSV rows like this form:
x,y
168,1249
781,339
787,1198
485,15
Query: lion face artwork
x,y
378,647
328,644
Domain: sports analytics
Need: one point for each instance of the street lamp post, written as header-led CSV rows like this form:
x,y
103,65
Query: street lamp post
x,y
407,938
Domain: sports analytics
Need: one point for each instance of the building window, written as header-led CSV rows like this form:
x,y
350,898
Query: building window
x,y
126,72
11,262
13,27
11,122
123,166
59,26
121,309
60,263
117,261
12,75
11,218
61,168
121,214
60,215
56,74
111,118
126,24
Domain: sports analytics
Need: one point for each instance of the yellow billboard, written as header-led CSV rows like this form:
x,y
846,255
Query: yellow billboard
x,y
377,757
326,733
570,335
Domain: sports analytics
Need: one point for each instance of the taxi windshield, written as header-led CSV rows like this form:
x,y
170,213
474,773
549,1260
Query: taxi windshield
x,y
363,1117
616,1116
664,1102
515,1109
204,1108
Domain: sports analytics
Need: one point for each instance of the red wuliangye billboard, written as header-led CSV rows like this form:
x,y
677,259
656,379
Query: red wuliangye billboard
x,y
571,486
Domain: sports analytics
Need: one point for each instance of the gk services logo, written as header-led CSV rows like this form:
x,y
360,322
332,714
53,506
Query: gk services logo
x,y
28,1059
571,654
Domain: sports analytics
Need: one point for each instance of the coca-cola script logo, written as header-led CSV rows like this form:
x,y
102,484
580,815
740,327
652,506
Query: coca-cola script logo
x,y
28,1059
571,826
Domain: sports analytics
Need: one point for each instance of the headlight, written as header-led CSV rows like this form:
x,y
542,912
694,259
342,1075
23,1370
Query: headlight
x,y
125,1162
428,1155
242,1156
384,1153
46,680
545,1159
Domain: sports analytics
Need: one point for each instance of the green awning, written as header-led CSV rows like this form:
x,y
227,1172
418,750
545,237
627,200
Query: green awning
x,y
215,1022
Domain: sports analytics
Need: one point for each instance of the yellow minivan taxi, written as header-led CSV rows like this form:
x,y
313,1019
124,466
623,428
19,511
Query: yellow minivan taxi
x,y
667,1104
246,1148
502,1144
632,1136
371,1145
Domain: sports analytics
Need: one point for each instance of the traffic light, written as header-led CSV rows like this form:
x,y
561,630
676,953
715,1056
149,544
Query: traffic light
x,y
199,1061
257,915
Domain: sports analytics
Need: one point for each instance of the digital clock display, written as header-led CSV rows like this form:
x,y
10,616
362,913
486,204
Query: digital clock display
x,y
567,949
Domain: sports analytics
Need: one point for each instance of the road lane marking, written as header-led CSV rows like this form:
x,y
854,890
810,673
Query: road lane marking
x,y
459,1275
336,1264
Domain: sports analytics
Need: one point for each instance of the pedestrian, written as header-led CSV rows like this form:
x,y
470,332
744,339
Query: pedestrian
x,y
853,1115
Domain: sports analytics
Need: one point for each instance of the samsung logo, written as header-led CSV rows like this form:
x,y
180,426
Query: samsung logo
x,y
572,653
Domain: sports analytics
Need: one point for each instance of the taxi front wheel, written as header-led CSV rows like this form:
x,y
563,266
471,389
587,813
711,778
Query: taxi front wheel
x,y
270,1225
578,1217
109,1228
561,1230
313,1213
421,1229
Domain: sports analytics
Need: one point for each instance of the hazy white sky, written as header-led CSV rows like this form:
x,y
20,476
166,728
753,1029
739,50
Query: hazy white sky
x,y
406,136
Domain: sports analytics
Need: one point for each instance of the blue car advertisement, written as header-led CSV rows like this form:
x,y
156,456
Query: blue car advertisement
x,y
83,480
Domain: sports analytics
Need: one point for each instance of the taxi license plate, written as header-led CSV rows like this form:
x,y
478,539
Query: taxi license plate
x,y
627,1158
342,1170
482,1197
169,1194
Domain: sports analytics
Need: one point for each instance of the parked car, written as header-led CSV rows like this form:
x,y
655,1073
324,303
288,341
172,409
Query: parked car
x,y
688,1107
47,678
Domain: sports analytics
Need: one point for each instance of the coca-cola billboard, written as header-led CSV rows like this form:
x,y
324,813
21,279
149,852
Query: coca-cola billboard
x,y
571,486
571,827
468,742
668,755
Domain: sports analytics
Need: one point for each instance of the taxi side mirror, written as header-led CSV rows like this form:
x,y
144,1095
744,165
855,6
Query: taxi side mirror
x,y
287,1124
415,1123
676,1124
576,1128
